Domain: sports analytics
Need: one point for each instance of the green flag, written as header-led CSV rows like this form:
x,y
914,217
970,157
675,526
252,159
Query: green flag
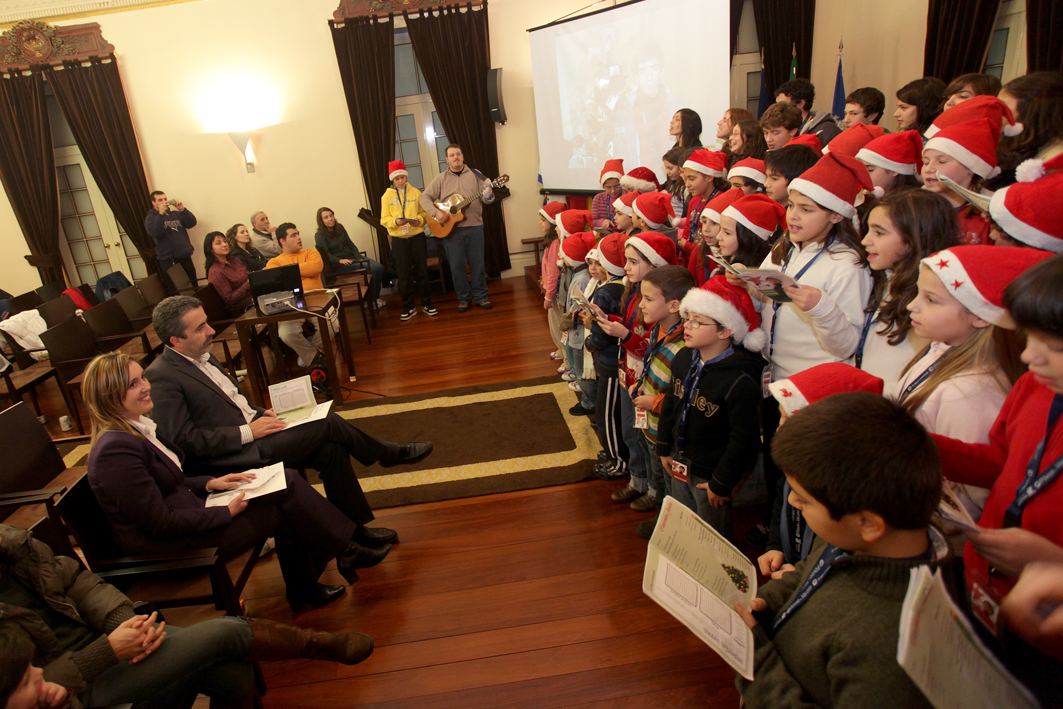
x,y
793,64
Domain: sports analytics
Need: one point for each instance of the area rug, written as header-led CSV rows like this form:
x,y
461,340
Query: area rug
x,y
487,439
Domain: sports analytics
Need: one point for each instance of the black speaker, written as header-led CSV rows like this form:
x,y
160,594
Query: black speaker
x,y
494,96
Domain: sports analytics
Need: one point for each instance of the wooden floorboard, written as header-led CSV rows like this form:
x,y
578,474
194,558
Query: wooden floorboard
x,y
528,600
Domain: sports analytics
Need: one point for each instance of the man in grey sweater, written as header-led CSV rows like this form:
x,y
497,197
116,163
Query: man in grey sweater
x,y
466,242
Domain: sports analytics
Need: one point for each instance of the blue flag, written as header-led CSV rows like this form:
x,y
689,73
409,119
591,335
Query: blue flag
x,y
838,108
765,100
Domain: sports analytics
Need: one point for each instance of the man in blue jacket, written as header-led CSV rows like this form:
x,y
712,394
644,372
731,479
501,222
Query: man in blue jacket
x,y
169,229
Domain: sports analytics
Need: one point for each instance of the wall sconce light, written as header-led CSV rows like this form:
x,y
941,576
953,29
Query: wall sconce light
x,y
243,143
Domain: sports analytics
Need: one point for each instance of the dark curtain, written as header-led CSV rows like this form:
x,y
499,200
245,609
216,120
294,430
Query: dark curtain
x,y
736,20
454,53
27,169
1044,35
365,54
957,36
780,25
93,101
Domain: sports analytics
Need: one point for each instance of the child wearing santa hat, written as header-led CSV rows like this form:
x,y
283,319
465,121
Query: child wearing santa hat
x,y
958,385
746,226
672,164
589,383
965,153
403,216
747,175
652,211
893,161
821,251
790,539
703,174
625,213
708,435
549,273
574,252
699,262
603,213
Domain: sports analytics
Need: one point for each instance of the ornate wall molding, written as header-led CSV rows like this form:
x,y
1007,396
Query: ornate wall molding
x,y
13,11
364,8
30,43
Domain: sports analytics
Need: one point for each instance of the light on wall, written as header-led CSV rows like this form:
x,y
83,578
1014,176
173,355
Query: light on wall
x,y
238,103
243,143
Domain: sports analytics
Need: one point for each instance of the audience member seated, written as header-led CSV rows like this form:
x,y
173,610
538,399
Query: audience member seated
x,y
802,93
226,273
153,507
334,244
240,246
201,410
69,639
263,237
310,267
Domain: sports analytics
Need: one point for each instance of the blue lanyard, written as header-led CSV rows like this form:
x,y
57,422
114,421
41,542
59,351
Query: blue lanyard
x,y
655,347
812,583
610,210
403,198
694,222
1033,483
776,305
917,383
868,320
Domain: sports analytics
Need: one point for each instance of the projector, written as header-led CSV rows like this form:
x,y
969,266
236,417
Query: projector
x,y
279,302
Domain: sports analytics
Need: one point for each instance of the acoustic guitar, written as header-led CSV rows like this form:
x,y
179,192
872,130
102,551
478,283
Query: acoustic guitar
x,y
454,206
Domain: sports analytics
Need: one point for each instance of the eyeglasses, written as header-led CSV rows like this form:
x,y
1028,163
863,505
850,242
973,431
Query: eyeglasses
x,y
691,324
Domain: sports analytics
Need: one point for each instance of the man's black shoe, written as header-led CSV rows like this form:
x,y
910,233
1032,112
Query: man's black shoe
x,y
375,536
405,453
578,410
462,307
356,556
645,528
485,304
315,596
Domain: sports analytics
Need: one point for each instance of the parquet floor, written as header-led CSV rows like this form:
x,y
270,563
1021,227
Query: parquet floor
x,y
530,599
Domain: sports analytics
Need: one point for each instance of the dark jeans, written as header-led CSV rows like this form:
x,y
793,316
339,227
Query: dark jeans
x,y
186,264
327,446
376,270
411,266
466,243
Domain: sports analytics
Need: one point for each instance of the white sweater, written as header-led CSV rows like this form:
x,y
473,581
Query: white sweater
x,y
963,407
798,342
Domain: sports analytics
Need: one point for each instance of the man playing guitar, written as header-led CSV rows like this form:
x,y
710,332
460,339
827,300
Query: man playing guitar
x,y
466,243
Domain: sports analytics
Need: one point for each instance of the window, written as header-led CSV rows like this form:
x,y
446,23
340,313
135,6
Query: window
x,y
420,141
994,60
753,92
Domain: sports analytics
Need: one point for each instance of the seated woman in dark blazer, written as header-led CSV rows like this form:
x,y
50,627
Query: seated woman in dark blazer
x,y
153,507
240,243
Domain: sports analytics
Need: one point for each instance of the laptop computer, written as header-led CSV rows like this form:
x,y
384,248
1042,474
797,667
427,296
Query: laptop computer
x,y
271,287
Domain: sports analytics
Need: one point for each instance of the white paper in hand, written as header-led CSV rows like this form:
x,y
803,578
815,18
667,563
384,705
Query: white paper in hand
x,y
268,479
294,403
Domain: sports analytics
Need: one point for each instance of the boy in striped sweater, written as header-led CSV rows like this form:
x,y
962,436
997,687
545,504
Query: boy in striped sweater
x,y
663,289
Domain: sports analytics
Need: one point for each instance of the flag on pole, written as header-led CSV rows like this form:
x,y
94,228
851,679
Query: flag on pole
x,y
838,107
793,64
765,99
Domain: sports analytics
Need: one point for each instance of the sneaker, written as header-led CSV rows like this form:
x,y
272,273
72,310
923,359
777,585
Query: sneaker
x,y
645,528
757,536
604,457
381,303
609,471
430,310
575,387
563,368
578,410
407,314
485,304
462,307
626,494
568,376
644,503
556,355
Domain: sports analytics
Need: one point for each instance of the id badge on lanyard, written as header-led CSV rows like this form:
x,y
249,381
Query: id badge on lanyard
x,y
985,602
681,469
642,419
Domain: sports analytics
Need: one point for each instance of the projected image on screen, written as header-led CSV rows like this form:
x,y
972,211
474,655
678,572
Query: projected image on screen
x,y
607,85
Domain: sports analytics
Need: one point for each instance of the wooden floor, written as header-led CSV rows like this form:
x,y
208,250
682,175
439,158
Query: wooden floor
x,y
529,599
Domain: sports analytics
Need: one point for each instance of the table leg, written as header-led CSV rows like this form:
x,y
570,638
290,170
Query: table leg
x,y
345,340
251,361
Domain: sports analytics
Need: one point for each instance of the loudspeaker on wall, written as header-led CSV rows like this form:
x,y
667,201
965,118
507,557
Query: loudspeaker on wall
x,y
494,96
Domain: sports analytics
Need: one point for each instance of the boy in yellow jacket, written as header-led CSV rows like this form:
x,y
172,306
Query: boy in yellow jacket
x,y
404,218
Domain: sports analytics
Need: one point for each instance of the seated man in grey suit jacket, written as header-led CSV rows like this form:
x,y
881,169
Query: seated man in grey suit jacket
x,y
199,407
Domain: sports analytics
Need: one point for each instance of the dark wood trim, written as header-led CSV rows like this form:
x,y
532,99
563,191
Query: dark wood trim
x,y
349,9
33,43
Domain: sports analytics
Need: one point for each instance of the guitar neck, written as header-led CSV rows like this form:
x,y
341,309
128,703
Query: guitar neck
x,y
469,200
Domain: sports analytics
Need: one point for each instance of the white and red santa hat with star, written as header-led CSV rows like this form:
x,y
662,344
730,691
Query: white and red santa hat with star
x,y
613,170
656,248
708,162
550,210
977,276
624,203
575,248
655,208
641,179
572,221
972,143
730,306
834,183
759,213
611,253
821,381
989,107
750,168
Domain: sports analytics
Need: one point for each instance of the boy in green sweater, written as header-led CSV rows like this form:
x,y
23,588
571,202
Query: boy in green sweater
x,y
867,478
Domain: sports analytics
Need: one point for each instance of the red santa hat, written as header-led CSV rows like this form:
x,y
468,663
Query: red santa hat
x,y
656,248
834,183
396,168
750,168
641,179
721,202
592,255
613,170
624,203
757,212
900,152
821,381
708,162
575,248
850,140
550,210
611,253
972,143
977,276
655,208
808,139
730,306
571,221
989,107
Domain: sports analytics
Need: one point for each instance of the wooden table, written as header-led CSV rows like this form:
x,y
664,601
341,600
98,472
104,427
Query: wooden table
x,y
320,303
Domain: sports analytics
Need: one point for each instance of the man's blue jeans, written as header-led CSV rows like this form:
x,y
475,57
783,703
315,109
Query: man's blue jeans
x,y
376,270
466,243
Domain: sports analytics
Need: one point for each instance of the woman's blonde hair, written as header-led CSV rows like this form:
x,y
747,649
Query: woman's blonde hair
x,y
103,389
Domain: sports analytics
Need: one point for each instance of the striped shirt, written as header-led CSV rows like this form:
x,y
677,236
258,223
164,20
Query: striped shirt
x,y
658,379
